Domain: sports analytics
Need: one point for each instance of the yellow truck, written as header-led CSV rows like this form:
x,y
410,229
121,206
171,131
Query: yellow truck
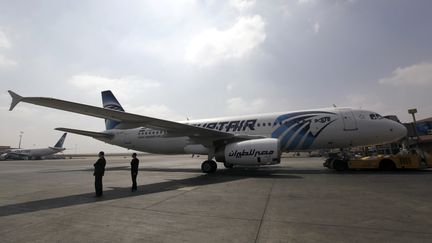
x,y
402,160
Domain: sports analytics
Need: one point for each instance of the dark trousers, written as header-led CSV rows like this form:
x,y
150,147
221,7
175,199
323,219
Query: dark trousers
x,y
98,185
134,182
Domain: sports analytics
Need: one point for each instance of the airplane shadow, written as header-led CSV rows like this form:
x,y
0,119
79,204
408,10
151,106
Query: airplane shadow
x,y
281,171
221,176
264,171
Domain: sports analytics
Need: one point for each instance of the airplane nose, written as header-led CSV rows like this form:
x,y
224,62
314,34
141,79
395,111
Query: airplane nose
x,y
398,130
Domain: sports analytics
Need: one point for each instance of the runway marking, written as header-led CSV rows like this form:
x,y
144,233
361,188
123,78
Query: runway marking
x,y
189,188
351,227
265,211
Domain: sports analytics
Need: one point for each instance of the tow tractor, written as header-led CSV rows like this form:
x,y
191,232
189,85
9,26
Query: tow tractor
x,y
413,159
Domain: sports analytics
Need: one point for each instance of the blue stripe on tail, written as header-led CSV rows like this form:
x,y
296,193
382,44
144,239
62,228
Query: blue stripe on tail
x,y
109,101
60,142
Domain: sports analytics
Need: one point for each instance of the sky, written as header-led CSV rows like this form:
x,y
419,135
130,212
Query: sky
x,y
209,58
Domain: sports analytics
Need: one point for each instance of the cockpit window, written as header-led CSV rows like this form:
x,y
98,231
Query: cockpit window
x,y
375,116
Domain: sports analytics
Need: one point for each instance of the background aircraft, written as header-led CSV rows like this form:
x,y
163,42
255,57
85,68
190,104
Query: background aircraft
x,y
37,153
242,140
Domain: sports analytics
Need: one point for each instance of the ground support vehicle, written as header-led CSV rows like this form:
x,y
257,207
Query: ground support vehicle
x,y
402,160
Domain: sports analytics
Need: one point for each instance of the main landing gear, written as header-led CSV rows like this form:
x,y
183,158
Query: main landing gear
x,y
209,166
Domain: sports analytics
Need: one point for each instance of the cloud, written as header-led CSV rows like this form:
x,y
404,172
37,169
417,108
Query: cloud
x,y
4,42
230,87
242,5
306,2
370,102
5,62
128,91
213,46
316,27
157,111
314,3
239,106
419,75
139,45
127,87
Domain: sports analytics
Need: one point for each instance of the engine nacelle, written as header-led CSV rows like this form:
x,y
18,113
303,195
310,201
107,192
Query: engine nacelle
x,y
264,151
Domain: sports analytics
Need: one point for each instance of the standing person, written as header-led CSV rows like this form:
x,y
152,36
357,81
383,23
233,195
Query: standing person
x,y
99,170
134,171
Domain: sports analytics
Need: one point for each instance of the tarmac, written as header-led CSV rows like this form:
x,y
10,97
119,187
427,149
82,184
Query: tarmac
x,y
295,201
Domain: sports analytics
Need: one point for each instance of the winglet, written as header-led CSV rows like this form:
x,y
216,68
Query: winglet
x,y
15,99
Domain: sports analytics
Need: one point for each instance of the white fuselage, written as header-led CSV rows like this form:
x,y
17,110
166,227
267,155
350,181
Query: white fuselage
x,y
296,131
31,153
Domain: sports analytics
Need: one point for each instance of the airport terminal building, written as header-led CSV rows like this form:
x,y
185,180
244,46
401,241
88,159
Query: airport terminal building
x,y
423,136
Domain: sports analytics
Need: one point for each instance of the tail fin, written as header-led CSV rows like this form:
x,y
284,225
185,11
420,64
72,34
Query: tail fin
x,y
109,101
60,142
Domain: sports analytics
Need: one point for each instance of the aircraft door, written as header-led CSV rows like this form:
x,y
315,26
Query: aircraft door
x,y
349,120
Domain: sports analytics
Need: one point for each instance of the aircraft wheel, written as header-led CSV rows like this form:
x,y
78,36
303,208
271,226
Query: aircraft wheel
x,y
208,166
214,166
340,165
228,165
387,165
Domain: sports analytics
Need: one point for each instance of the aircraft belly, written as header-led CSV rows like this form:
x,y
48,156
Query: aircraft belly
x,y
163,145
157,145
42,152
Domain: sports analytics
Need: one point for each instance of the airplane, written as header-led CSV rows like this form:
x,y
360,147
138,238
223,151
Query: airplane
x,y
37,153
251,140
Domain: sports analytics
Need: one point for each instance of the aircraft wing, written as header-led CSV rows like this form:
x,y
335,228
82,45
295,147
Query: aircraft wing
x,y
100,135
128,120
19,153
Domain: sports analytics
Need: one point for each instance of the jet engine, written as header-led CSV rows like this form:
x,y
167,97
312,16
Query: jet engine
x,y
264,151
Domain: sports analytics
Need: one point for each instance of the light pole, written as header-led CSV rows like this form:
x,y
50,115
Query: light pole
x,y
412,112
20,136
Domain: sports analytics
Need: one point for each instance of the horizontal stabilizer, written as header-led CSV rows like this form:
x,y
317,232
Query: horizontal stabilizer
x,y
57,149
86,133
15,99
